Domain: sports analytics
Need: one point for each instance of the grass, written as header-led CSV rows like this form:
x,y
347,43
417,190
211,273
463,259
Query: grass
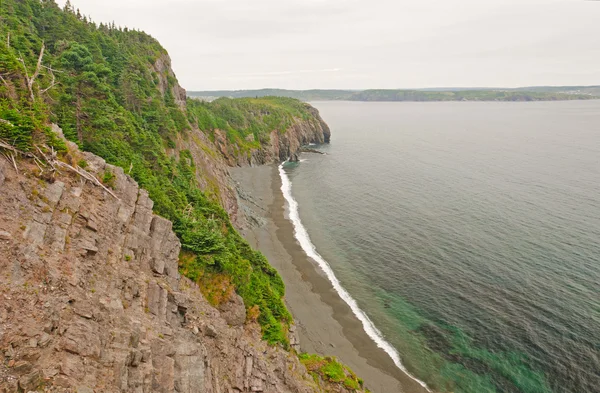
x,y
330,370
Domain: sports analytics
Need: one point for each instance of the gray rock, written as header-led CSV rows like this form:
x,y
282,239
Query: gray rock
x,y
157,265
210,331
136,358
44,339
35,232
82,337
83,309
53,192
189,373
234,310
56,237
22,367
95,164
30,381
5,235
164,375
84,389
157,300
142,217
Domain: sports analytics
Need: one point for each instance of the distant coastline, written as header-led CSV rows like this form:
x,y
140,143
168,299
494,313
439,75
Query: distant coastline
x,y
521,94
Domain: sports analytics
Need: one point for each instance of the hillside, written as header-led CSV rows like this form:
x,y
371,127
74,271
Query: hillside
x,y
441,94
111,92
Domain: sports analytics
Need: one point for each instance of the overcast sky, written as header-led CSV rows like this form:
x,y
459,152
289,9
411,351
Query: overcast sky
x,y
303,44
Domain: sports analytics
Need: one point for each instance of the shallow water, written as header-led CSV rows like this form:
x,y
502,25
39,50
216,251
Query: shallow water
x,y
468,233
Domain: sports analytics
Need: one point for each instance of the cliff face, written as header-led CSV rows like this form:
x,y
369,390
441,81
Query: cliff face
x,y
282,145
162,68
214,157
92,300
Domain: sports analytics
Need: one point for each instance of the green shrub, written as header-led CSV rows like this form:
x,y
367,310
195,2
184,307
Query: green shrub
x,y
108,178
330,370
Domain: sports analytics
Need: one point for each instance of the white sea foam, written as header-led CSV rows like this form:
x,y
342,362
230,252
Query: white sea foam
x,y
309,248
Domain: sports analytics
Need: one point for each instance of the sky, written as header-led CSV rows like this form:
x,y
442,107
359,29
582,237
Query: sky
x,y
362,44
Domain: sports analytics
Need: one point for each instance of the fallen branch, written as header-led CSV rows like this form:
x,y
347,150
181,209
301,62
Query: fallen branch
x,y
81,172
85,174
6,146
37,162
50,161
11,159
53,162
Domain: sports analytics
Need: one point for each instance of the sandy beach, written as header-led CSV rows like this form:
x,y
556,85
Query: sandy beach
x,y
325,322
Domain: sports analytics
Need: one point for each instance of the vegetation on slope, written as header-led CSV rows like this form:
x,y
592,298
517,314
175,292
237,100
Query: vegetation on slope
x,y
100,83
247,122
329,370
521,94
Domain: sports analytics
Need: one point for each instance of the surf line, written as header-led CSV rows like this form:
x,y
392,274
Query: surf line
x,y
301,234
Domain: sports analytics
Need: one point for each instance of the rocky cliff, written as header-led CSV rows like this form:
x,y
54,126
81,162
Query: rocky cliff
x,y
283,144
92,301
213,156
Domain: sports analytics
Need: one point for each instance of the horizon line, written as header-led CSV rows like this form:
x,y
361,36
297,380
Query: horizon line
x,y
406,88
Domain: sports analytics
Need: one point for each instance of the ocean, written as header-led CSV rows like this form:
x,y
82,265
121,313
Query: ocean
x,y
465,236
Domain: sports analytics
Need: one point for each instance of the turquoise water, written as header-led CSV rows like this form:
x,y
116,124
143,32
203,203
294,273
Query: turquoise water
x,y
469,233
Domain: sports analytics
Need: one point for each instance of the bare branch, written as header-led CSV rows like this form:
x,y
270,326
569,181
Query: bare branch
x,y
9,147
52,84
81,172
24,66
36,160
52,69
50,87
87,175
37,71
4,81
26,75
39,63
14,162
10,157
53,162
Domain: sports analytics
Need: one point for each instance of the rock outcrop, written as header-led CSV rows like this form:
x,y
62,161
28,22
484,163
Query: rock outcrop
x,y
91,299
167,80
213,158
282,146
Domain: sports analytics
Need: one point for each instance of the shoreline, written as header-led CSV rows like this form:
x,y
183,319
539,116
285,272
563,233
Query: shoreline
x,y
326,323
